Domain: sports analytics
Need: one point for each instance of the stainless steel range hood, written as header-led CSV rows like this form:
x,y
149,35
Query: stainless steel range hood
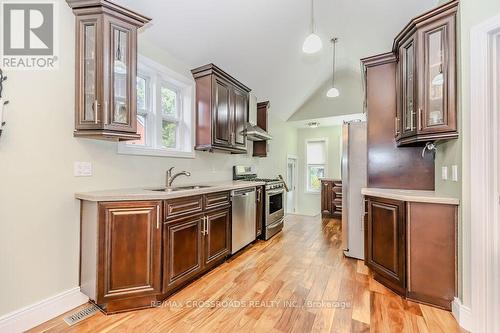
x,y
255,133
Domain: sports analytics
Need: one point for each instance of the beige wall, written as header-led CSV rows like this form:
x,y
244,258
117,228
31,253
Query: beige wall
x,y
472,12
309,203
39,217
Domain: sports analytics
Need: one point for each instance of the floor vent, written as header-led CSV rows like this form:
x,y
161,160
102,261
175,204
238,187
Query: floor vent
x,y
81,315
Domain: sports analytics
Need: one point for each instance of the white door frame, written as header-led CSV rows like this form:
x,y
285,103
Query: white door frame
x,y
484,122
295,178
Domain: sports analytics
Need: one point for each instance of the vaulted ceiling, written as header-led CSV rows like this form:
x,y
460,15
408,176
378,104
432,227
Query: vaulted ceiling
x,y
260,41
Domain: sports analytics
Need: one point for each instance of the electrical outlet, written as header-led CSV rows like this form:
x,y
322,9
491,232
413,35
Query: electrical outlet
x,y
82,169
444,173
454,173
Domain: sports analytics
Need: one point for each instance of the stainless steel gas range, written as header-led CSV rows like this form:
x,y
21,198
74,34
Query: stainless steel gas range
x,y
274,199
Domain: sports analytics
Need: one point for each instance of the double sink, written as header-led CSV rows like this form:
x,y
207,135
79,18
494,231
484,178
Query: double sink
x,y
179,188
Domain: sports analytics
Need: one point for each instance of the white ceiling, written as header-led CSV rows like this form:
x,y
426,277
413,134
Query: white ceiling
x,y
260,41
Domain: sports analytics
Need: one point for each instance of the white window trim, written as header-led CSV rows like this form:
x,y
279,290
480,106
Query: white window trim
x,y
185,86
306,178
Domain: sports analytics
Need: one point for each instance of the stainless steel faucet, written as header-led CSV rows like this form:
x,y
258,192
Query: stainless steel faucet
x,y
171,178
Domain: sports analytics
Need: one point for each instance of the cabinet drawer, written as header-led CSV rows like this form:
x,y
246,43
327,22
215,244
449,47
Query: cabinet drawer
x,y
216,200
182,206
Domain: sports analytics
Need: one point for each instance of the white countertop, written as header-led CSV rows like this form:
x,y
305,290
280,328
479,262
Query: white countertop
x,y
147,194
411,195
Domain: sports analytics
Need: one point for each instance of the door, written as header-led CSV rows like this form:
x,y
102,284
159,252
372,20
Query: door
x,y
291,176
240,118
119,108
386,241
436,80
130,250
408,87
182,250
222,127
217,236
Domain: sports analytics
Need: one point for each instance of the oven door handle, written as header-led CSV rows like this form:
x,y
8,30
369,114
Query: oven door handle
x,y
268,193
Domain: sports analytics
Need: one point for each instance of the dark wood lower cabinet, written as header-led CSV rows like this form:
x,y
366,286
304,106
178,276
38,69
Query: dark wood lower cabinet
x,y
331,198
217,236
385,242
121,253
182,250
134,255
411,248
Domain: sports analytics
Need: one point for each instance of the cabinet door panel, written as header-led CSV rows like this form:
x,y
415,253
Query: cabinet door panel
x,y
217,235
326,198
89,73
222,114
130,250
386,245
182,244
240,117
408,87
437,78
120,106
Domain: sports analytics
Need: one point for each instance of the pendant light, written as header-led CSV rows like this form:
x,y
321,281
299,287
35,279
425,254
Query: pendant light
x,y
333,92
313,43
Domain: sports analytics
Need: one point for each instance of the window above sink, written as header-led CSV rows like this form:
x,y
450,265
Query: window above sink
x,y
164,113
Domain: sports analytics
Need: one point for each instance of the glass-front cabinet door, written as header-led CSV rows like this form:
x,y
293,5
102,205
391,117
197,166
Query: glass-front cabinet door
x,y
88,100
408,87
106,70
122,65
437,81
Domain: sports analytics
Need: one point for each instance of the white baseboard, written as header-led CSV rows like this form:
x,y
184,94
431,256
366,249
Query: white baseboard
x,y
35,314
462,314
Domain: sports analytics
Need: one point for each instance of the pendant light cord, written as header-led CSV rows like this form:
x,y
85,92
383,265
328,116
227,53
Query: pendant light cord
x,y
334,41
312,16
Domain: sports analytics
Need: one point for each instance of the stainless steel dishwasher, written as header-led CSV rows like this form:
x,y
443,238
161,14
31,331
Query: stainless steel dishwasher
x,y
243,228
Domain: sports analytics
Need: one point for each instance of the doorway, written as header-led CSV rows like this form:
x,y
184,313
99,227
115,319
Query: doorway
x,y
291,180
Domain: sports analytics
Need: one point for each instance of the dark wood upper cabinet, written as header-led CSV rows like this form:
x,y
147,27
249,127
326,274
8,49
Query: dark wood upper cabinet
x,y
222,107
386,241
426,85
106,69
260,147
129,256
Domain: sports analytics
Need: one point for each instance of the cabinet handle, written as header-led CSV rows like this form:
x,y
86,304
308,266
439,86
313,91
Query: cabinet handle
x,y
206,225
203,225
412,121
396,125
96,108
106,112
158,217
420,118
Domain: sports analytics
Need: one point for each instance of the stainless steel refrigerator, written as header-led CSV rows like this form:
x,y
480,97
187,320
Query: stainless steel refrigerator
x,y
354,177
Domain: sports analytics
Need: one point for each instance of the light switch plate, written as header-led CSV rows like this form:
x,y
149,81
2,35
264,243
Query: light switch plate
x,y
454,173
444,173
83,169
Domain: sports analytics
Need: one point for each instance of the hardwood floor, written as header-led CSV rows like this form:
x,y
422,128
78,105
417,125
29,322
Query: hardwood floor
x,y
297,282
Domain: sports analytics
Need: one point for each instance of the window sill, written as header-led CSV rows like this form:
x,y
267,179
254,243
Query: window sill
x,y
125,149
